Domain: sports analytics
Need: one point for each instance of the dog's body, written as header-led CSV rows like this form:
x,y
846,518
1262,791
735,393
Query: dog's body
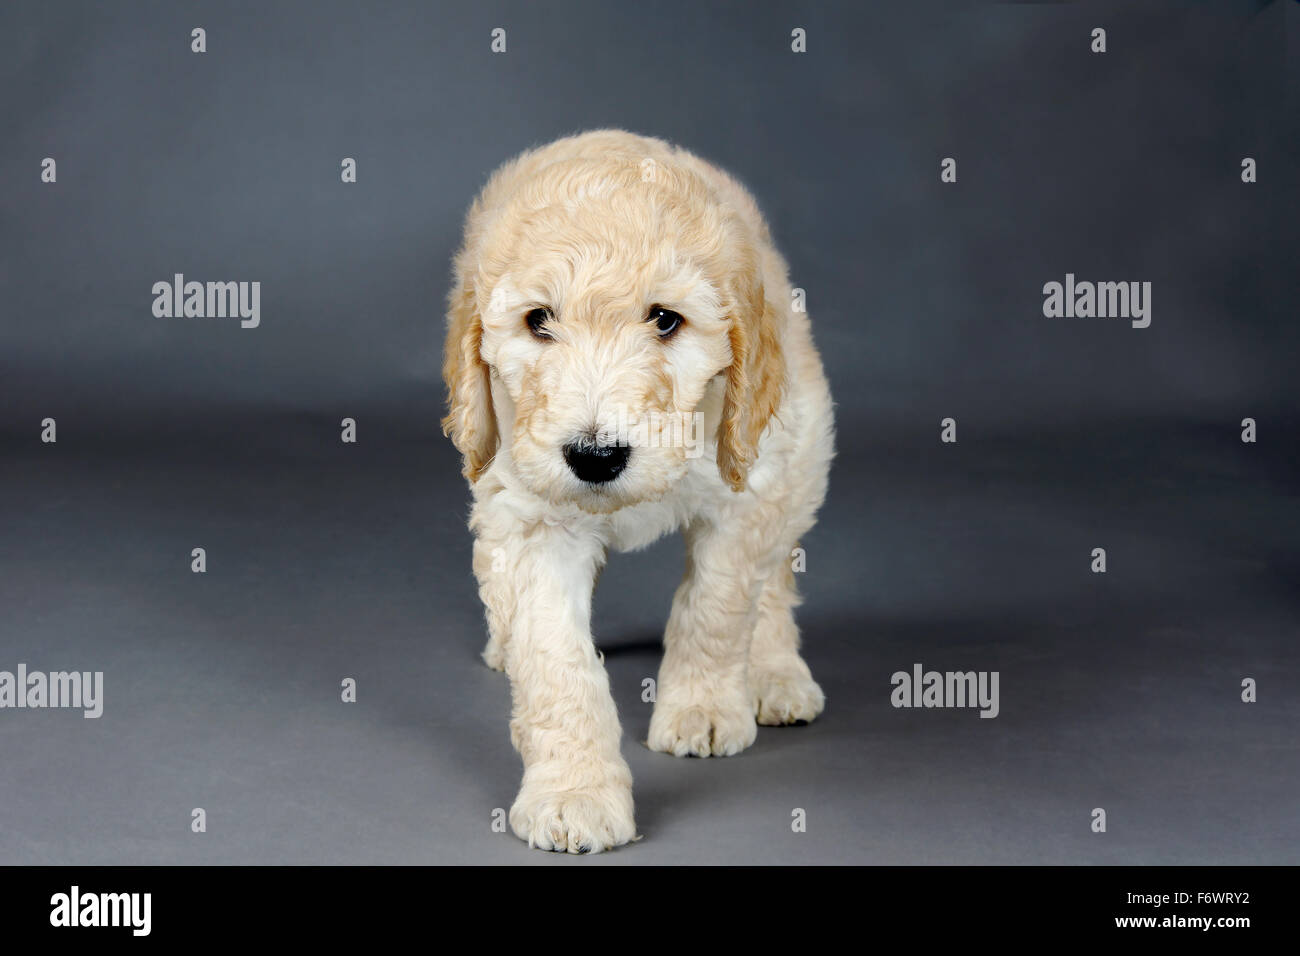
x,y
605,279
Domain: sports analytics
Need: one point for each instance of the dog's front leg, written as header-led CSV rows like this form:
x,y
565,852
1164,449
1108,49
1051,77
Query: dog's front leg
x,y
576,794
703,706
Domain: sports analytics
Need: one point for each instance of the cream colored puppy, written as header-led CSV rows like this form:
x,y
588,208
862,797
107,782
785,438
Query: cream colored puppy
x,y
623,360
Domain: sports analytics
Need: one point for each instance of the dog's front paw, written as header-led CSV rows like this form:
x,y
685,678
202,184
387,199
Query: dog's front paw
x,y
701,730
580,820
786,697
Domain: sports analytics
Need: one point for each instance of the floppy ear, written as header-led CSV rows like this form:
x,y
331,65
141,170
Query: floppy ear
x,y
755,378
470,421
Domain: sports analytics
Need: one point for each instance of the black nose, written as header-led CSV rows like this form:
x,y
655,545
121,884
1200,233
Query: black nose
x,y
593,463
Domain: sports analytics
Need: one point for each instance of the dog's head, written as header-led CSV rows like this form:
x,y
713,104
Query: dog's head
x,y
592,312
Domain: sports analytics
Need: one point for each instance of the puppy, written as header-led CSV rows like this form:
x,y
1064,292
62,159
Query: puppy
x,y
624,359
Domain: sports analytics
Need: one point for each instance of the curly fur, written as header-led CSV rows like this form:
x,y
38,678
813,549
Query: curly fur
x,y
597,228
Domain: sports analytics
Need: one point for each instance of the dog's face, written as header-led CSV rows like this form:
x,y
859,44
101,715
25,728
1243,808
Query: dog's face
x,y
603,336
601,307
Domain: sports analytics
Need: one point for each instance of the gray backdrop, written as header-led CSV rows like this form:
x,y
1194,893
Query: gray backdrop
x,y
1118,690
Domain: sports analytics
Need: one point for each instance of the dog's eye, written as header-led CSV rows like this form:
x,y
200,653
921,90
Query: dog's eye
x,y
666,320
536,320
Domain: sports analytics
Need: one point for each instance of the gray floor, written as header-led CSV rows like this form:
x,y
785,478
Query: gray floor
x,y
328,561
